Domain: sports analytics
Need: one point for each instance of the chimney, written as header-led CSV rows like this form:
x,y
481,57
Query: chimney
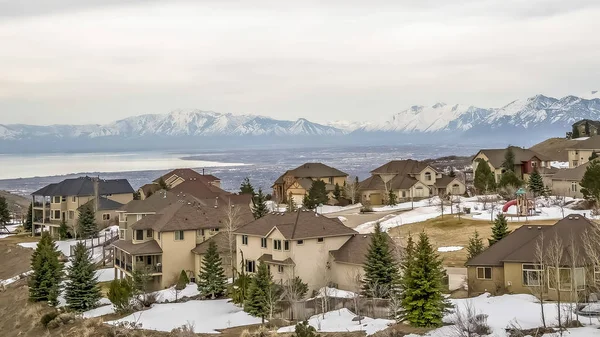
x,y
96,194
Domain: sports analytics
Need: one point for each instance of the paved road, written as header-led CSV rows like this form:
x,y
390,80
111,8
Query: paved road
x,y
355,218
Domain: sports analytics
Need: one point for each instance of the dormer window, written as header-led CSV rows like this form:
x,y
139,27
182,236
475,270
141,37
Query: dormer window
x,y
428,176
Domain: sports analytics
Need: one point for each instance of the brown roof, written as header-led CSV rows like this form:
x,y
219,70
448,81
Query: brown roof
x,y
154,203
355,250
301,224
444,181
268,258
399,182
220,239
405,166
148,247
150,188
312,170
200,189
187,174
592,143
521,244
496,156
571,174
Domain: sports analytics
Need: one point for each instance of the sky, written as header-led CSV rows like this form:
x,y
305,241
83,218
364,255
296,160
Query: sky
x,y
96,61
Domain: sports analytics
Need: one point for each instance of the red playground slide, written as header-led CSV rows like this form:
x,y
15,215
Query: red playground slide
x,y
508,204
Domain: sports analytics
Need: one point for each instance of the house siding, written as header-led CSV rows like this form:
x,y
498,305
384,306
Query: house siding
x,y
177,256
495,286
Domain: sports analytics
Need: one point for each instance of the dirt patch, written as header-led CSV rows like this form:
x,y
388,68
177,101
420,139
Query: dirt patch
x,y
15,259
450,231
555,148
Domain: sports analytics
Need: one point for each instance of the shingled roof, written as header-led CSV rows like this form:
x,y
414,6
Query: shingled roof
x,y
312,170
592,143
571,174
220,239
144,248
354,251
399,182
405,166
104,204
496,156
301,224
84,186
187,174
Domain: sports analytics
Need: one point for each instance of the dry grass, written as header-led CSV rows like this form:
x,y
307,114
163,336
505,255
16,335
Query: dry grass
x,y
449,231
15,259
555,148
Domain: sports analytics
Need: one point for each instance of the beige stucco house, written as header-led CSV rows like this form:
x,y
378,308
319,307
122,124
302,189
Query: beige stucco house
x,y
581,152
586,128
407,179
566,182
168,232
320,250
525,162
63,201
175,178
297,182
511,264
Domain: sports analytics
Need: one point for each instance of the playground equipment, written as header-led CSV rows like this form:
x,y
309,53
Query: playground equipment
x,y
525,206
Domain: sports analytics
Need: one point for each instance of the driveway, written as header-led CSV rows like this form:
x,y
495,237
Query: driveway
x,y
456,277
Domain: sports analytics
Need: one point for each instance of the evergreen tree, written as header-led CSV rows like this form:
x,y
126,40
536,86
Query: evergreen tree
x,y
575,133
120,295
63,230
317,194
337,191
499,230
246,187
593,156
259,205
291,203
422,299
509,159
87,222
28,223
475,246
380,269
163,185
406,265
211,279
392,199
81,291
256,303
452,173
136,195
4,213
182,281
536,184
509,178
303,329
484,180
590,183
44,283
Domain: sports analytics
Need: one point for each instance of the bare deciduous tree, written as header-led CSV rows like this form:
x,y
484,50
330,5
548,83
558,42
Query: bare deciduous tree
x,y
539,290
468,322
355,281
351,189
231,224
554,256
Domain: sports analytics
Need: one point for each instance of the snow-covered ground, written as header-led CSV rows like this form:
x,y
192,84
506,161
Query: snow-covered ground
x,y
416,215
326,209
106,274
402,206
560,164
206,316
15,279
333,292
341,320
449,249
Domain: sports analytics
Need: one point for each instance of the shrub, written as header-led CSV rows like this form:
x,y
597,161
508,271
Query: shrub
x,y
120,295
49,317
303,329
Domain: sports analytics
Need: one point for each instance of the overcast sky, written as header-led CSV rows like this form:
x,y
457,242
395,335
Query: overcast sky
x,y
95,61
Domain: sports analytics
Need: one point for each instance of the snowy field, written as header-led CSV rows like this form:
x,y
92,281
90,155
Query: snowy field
x,y
341,320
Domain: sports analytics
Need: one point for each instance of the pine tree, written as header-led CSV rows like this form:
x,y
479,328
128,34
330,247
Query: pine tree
x,y
509,159
163,185
337,191
499,230
303,329
392,199
380,269
475,246
317,194
593,156
211,279
422,299
291,203
246,187
81,291
484,180
87,222
536,184
182,281
256,303
406,265
4,213
63,230
590,183
120,295
259,205
452,173
44,283
28,223
509,178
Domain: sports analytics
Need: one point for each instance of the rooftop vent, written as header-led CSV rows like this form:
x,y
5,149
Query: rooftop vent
x,y
576,218
570,218
528,227
539,227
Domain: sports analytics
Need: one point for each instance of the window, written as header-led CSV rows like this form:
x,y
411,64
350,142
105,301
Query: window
x,y
214,229
301,242
250,266
277,244
597,274
159,235
533,164
122,234
484,273
56,200
139,235
286,245
56,214
71,215
532,274
178,235
148,233
579,278
280,269
331,180
319,240
419,192
63,198
455,189
263,242
74,199
564,278
403,194
574,186
106,216
428,176
245,240
575,163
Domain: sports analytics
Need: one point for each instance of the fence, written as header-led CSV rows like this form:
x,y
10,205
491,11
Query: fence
x,y
371,307
99,247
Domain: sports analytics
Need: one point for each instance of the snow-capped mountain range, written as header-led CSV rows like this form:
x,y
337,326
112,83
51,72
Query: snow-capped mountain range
x,y
534,118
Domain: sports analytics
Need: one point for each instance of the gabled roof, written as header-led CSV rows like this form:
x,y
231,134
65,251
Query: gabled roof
x,y
150,188
84,186
444,181
187,174
301,224
596,123
496,156
312,170
571,174
220,239
399,182
268,258
520,245
144,248
405,166
201,190
154,203
104,204
592,143
354,251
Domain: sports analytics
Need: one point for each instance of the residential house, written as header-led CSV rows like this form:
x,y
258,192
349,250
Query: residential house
x,y
565,182
586,128
168,232
407,179
525,162
297,182
176,177
63,201
581,152
319,250
511,265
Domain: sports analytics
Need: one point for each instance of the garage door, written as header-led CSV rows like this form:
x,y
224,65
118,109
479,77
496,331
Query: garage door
x,y
298,199
375,198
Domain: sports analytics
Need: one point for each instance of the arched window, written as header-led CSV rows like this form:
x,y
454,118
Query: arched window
x,y
455,189
428,176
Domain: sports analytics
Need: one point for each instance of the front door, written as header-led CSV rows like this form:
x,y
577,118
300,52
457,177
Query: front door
x,y
64,216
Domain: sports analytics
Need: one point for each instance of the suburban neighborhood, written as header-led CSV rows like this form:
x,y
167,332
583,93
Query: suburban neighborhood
x,y
417,247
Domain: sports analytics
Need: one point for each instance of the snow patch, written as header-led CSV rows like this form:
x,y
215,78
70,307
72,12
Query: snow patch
x,y
449,249
341,321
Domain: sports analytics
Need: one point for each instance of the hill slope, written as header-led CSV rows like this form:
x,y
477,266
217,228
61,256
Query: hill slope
x,y
555,148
